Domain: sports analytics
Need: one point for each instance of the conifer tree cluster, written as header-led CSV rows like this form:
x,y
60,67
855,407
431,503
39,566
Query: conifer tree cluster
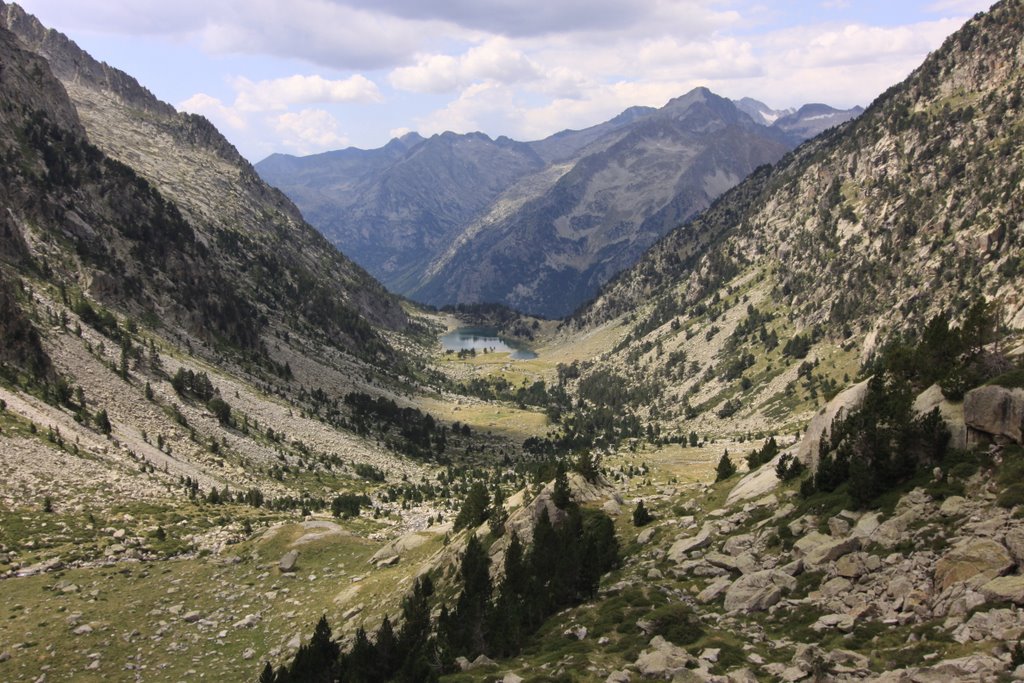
x,y
562,568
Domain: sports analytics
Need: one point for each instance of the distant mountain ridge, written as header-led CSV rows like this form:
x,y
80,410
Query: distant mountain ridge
x,y
538,225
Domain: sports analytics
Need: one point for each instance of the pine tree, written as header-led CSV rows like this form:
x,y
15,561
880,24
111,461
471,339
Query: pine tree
x,y
317,660
588,465
541,564
388,654
471,608
725,467
268,674
641,516
561,495
103,421
474,509
359,663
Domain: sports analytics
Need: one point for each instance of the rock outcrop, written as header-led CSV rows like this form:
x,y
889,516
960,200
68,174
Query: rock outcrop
x,y
843,404
994,413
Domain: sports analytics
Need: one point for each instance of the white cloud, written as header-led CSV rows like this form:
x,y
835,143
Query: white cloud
x,y
475,107
524,68
859,44
495,60
959,6
215,110
281,93
309,131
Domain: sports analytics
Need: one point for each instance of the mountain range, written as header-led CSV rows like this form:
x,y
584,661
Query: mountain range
x,y
537,226
785,444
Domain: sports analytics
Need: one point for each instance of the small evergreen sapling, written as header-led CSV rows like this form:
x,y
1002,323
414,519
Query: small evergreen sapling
x,y
725,468
641,516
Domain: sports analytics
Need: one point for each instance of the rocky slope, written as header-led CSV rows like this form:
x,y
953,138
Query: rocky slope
x,y
870,230
537,226
216,191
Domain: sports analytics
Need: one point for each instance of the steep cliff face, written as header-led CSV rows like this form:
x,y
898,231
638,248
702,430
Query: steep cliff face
x,y
242,219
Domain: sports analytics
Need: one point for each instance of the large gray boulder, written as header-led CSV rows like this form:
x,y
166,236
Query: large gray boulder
x,y
755,484
952,413
1005,589
677,553
830,550
288,562
757,591
843,404
994,413
973,560
662,660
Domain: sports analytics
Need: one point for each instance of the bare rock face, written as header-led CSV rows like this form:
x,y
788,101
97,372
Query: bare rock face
x,y
842,405
976,560
755,484
993,412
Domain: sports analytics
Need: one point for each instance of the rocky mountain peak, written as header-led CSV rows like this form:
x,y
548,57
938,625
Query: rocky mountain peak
x,y
70,63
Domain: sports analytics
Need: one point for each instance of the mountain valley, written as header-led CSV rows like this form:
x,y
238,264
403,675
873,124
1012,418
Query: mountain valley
x,y
781,443
537,226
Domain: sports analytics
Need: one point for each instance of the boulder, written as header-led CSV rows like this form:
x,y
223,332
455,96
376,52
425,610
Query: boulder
x,y
952,413
741,676
836,587
287,563
952,506
734,545
809,542
996,624
755,484
830,550
248,621
663,660
843,404
481,661
994,413
975,560
867,525
1014,541
645,536
855,565
677,553
838,526
727,562
757,591
1005,589
713,590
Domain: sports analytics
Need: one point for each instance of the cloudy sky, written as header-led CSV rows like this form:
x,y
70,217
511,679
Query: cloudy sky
x,y
305,76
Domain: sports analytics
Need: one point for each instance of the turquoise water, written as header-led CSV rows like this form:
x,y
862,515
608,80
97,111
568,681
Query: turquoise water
x,y
482,338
